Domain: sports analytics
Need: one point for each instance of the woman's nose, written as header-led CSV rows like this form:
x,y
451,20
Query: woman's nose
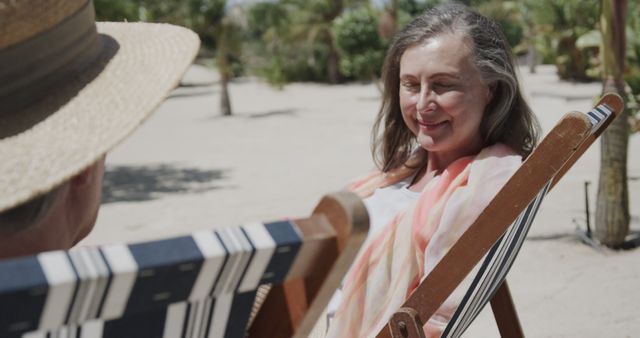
x,y
426,100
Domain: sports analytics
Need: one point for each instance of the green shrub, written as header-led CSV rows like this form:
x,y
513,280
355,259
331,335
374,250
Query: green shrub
x,y
361,49
632,78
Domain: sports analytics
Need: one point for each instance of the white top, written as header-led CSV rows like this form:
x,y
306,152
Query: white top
x,y
382,206
387,202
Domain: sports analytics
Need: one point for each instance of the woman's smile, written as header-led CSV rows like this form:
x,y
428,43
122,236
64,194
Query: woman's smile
x,y
426,126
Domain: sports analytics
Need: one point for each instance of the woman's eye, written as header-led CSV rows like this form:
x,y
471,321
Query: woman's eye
x,y
411,86
443,85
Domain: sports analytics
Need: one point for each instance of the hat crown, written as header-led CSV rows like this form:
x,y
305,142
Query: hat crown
x,y
23,19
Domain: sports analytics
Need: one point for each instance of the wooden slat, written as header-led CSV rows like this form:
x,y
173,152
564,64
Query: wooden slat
x,y
319,238
615,102
291,297
320,273
505,313
350,219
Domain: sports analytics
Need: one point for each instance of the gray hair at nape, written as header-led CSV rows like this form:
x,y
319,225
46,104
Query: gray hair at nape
x,y
24,216
507,118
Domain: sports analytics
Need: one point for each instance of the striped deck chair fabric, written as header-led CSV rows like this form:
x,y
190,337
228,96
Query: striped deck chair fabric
x,y
538,174
200,285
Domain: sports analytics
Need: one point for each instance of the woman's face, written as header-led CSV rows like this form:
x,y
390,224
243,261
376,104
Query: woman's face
x,y
443,97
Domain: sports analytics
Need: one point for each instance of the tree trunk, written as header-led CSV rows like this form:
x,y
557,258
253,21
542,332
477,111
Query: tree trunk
x,y
532,57
388,21
612,208
225,102
224,68
333,59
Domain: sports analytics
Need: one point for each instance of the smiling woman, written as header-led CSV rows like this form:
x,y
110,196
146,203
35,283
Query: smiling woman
x,y
452,128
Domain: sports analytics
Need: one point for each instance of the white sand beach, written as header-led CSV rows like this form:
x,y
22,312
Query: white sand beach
x,y
189,168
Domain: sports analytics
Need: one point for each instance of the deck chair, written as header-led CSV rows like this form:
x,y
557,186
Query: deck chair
x,y
499,232
201,285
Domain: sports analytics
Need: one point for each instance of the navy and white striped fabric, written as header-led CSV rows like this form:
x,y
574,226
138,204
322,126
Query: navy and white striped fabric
x,y
496,264
493,270
598,115
202,285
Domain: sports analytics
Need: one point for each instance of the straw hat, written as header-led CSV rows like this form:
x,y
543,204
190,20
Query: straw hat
x,y
71,88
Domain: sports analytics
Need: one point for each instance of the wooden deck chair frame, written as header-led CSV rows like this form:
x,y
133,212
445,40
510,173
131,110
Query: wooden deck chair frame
x,y
39,299
546,165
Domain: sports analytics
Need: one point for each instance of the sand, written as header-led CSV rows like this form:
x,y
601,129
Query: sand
x,y
189,168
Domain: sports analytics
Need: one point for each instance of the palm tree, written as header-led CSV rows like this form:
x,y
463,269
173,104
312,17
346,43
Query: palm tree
x,y
223,37
217,22
314,20
388,22
612,209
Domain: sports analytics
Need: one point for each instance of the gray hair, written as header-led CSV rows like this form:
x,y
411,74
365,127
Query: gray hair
x,y
26,215
507,118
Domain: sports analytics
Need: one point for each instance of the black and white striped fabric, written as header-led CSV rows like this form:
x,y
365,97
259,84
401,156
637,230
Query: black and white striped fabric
x,y
496,264
202,285
598,115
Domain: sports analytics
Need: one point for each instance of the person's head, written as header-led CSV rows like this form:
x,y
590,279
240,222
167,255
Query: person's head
x,y
450,84
57,219
70,90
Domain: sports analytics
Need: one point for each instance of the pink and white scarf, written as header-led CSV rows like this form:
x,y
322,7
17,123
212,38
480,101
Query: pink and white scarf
x,y
393,263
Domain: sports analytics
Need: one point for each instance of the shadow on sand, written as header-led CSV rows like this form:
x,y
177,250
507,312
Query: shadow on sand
x,y
144,183
260,115
184,94
284,112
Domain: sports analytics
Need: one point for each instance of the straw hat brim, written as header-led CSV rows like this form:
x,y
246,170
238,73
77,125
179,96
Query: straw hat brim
x,y
79,121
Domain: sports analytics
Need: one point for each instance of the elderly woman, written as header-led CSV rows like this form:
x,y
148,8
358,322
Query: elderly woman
x,y
452,129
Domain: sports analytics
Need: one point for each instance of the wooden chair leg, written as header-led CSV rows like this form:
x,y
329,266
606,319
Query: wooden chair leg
x,y
505,313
